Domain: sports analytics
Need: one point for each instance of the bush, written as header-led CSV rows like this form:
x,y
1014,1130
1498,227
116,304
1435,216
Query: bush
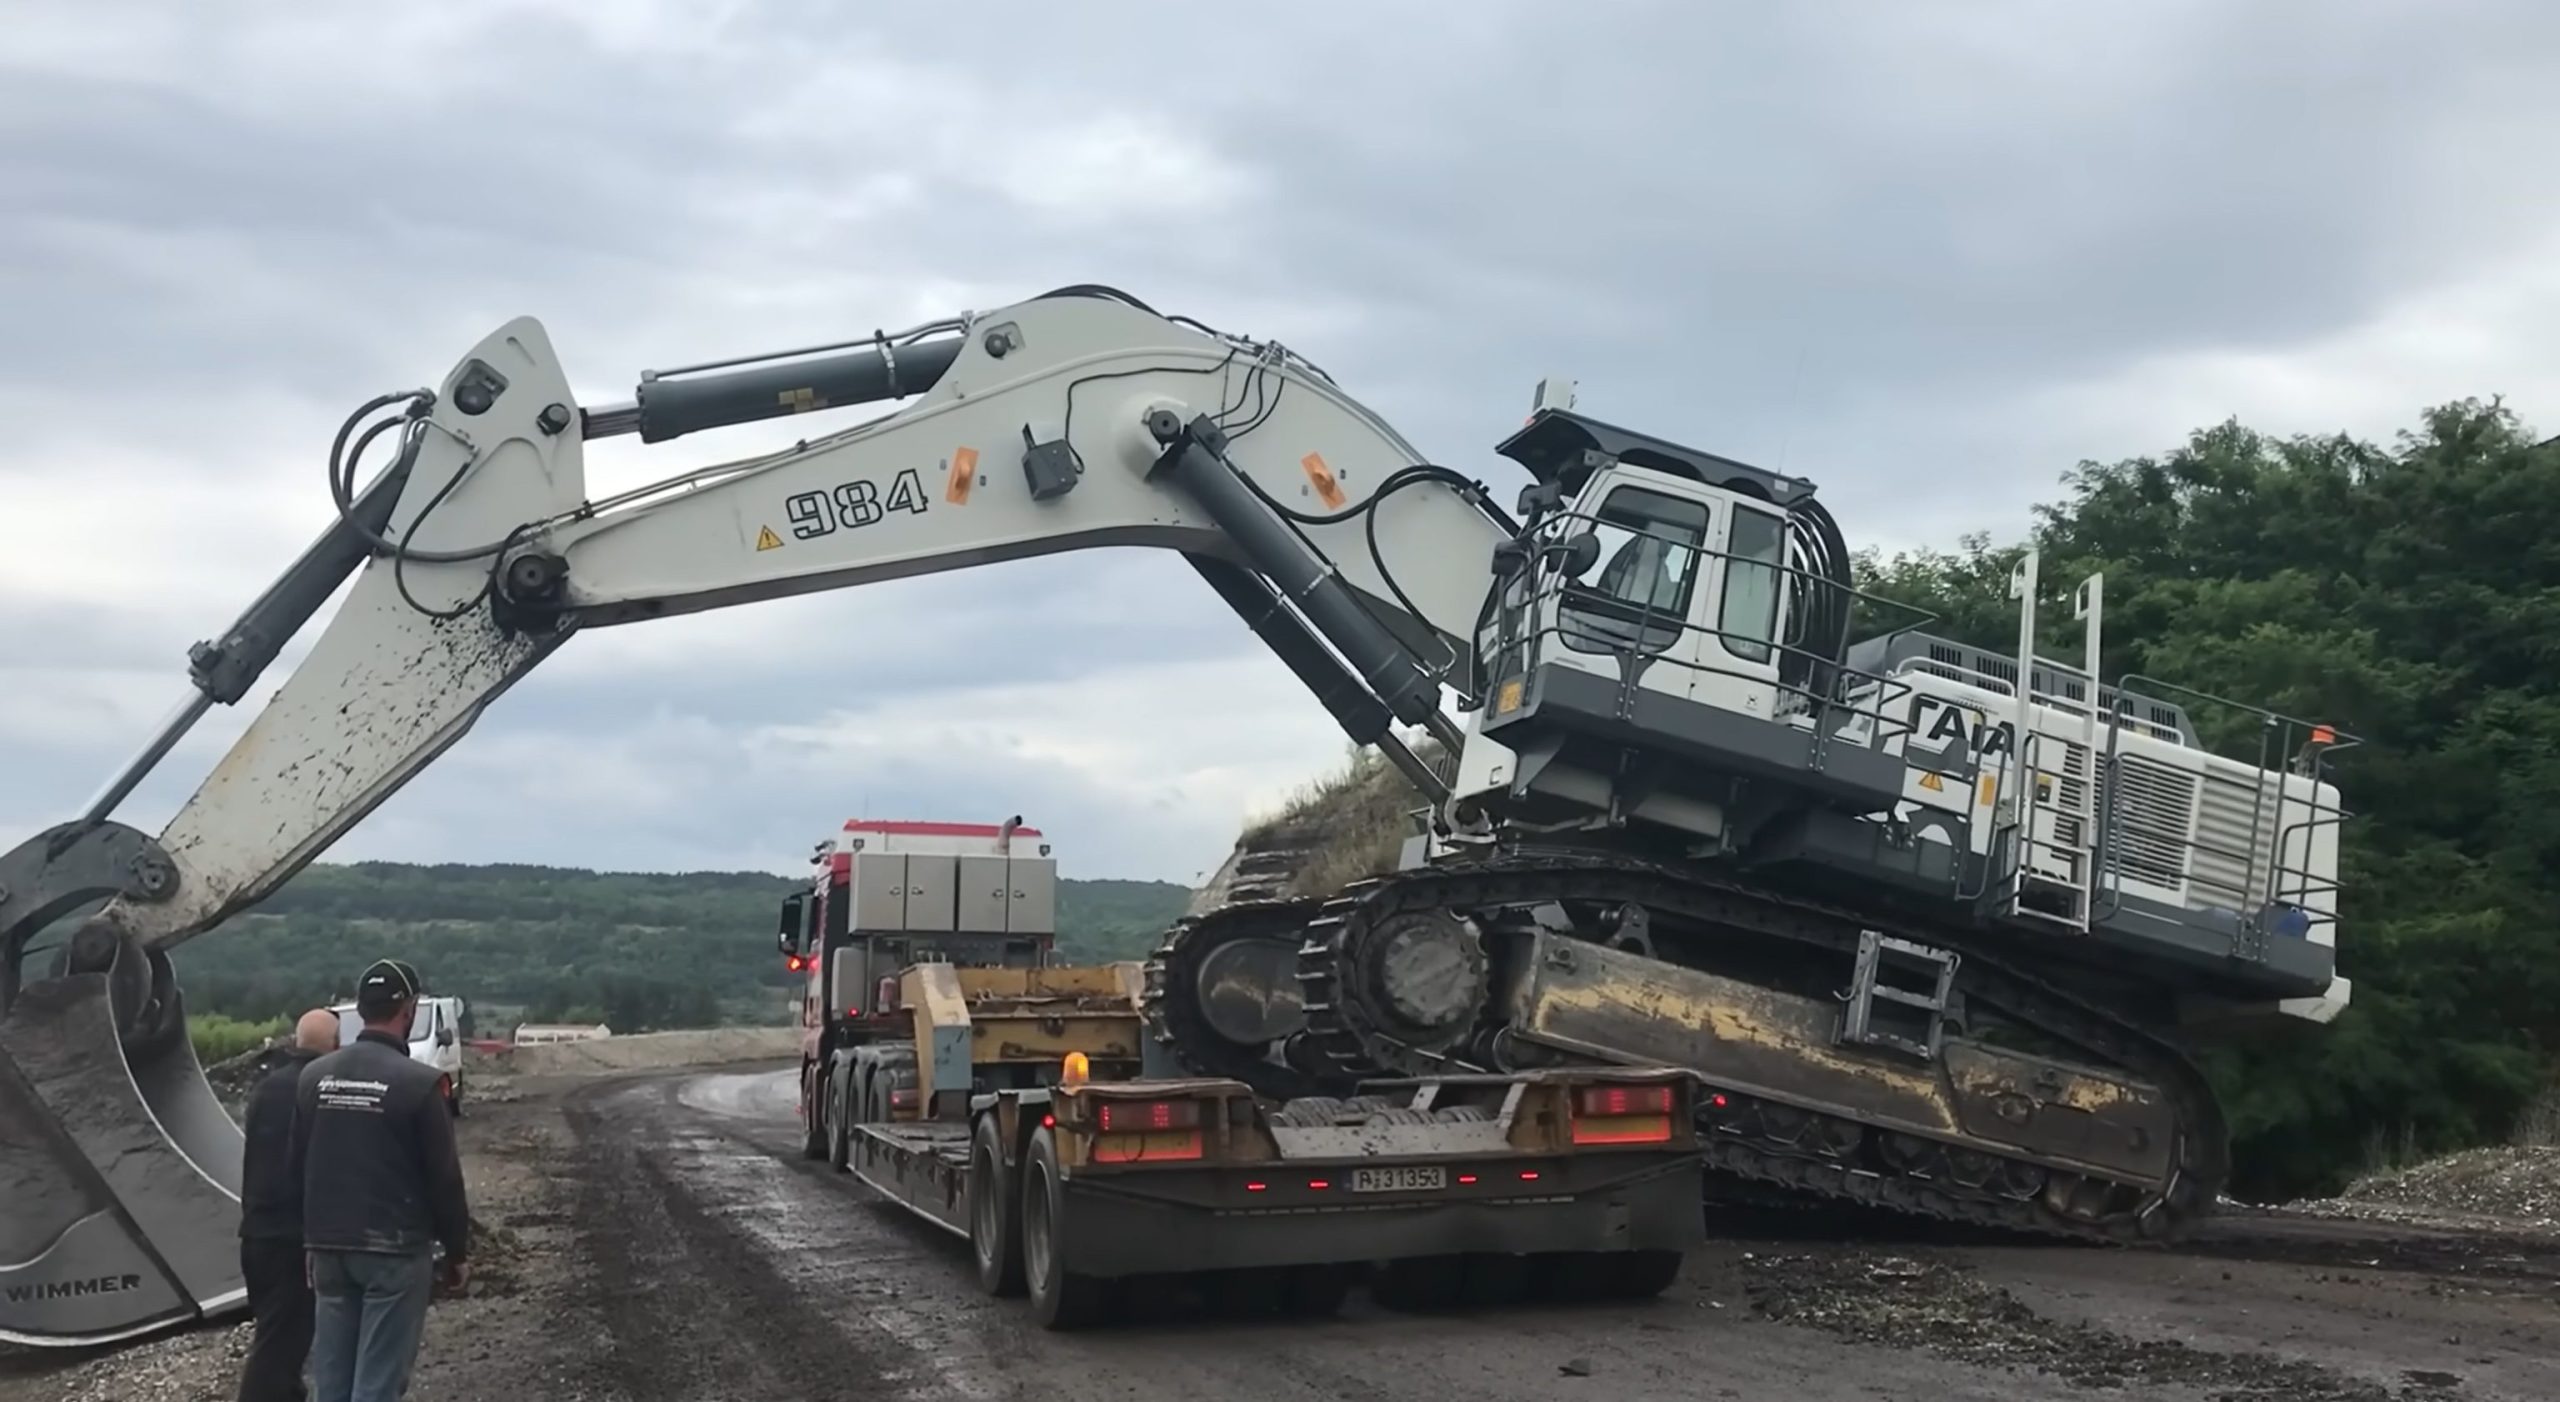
x,y
220,1038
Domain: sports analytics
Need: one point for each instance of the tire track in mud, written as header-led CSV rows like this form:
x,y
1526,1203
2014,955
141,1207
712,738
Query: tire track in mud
x,y
690,1307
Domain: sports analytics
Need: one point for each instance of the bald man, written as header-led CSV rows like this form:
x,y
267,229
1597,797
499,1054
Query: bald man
x,y
271,1222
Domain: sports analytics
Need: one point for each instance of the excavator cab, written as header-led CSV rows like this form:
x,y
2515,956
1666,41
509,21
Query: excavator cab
x,y
1674,601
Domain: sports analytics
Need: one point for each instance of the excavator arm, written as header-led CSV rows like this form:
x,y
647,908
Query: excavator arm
x,y
1073,420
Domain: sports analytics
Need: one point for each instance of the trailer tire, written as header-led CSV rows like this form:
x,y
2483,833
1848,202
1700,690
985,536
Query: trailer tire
x,y
839,1138
1614,1275
1059,1299
1420,1284
995,1214
1314,1292
813,1116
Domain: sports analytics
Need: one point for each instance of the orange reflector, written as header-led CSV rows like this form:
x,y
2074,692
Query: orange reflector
x,y
2323,735
1319,476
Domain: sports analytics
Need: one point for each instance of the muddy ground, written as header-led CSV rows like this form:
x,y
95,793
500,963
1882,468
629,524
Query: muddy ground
x,y
657,1237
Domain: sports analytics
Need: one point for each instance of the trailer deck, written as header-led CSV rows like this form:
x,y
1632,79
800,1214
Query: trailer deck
x,y
1096,1183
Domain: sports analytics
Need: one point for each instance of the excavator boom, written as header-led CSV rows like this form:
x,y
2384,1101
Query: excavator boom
x,y
1073,420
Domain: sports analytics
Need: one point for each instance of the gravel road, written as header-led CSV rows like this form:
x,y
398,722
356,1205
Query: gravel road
x,y
657,1238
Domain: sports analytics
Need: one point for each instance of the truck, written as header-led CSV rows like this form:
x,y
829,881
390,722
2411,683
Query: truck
x,y
886,893
1938,925
949,1062
1021,1115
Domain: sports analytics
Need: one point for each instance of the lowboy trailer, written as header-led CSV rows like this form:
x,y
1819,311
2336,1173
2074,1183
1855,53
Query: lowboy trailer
x,y
1073,1172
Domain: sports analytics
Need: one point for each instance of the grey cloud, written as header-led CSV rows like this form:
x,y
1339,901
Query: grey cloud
x,y
1849,241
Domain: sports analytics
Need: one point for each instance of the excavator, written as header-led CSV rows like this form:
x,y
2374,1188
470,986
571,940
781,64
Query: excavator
x,y
1934,927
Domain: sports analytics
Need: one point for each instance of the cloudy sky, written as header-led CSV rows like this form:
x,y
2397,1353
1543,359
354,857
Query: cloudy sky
x,y
1928,259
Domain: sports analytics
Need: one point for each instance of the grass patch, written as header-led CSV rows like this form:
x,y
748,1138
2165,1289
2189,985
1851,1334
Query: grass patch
x,y
220,1038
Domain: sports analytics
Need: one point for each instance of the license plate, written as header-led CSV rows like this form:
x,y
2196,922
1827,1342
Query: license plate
x,y
1406,1179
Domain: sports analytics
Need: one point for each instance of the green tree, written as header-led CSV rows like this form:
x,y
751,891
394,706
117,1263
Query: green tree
x,y
2409,595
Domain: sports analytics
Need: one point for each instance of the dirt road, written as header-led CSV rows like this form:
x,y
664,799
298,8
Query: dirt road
x,y
659,1238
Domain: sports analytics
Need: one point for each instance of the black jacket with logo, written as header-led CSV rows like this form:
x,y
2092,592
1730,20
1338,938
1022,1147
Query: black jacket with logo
x,y
270,1189
374,1144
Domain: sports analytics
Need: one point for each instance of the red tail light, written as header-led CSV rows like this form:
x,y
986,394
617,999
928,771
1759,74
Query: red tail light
x,y
1141,1116
1622,1114
1623,1100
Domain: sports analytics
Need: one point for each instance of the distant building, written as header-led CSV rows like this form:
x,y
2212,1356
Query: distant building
x,y
535,1034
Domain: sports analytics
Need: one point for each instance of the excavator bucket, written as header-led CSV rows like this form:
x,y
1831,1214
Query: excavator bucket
x,y
119,1168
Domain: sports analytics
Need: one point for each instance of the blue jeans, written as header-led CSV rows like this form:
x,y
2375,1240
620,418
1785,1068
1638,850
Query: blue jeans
x,y
368,1310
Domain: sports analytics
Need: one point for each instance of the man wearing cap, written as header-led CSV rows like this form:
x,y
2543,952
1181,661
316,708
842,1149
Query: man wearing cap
x,y
381,1189
271,1263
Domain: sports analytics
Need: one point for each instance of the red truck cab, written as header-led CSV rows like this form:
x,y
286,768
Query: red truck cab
x,y
889,893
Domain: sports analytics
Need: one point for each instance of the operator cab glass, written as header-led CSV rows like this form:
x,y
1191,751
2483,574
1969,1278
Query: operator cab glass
x,y
1640,595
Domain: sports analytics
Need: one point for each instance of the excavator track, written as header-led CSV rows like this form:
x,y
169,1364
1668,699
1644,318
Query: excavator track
x,y
1806,1151
1179,1003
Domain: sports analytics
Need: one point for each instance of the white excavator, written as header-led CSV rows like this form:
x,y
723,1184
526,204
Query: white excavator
x,y
1934,927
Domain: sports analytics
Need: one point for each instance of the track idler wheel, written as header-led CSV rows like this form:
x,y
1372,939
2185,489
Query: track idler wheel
x,y
1221,994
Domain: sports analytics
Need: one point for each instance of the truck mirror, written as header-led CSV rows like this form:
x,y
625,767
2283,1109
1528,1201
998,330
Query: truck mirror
x,y
786,936
1575,554
444,1036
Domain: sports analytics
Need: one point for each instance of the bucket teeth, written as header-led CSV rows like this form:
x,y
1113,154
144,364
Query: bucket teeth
x,y
119,1171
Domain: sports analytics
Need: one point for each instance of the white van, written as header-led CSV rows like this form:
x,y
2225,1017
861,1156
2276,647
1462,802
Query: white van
x,y
435,1038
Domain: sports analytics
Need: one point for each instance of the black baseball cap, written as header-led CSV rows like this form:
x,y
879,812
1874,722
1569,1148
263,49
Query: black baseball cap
x,y
387,986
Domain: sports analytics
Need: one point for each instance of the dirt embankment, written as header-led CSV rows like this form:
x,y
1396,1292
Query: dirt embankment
x,y
645,1051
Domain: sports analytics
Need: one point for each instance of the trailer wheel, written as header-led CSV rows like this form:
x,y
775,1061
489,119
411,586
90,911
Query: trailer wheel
x,y
1419,1284
1641,1275
839,1139
1059,1299
813,1116
1313,1292
1614,1275
995,1213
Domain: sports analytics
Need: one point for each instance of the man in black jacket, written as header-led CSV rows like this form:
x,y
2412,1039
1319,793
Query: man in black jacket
x,y
381,1189
271,1221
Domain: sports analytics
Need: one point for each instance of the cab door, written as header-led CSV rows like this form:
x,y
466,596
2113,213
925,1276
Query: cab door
x,y
1631,615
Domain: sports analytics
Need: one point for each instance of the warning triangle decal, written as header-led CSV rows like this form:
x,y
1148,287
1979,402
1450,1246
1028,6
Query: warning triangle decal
x,y
767,540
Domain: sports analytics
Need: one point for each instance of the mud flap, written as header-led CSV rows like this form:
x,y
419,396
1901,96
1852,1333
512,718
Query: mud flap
x,y
119,1171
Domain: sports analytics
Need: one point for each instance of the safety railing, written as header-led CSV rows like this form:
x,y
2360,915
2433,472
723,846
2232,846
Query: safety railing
x,y
2246,858
1547,605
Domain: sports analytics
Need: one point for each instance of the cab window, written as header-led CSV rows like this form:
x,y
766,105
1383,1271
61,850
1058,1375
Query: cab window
x,y
1639,595
1752,571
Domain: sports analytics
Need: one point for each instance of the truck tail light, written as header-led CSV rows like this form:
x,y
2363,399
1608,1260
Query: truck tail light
x,y
1622,1114
1623,1100
1147,1131
1143,1116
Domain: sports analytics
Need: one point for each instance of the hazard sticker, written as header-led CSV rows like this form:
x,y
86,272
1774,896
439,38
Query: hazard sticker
x,y
767,540
1932,782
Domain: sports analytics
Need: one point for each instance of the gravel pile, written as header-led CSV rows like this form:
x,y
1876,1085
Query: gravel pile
x,y
202,1365
1914,1303
2517,1186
